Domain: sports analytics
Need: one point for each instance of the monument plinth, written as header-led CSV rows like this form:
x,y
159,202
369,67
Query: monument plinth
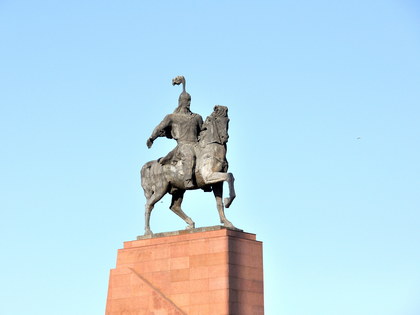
x,y
207,271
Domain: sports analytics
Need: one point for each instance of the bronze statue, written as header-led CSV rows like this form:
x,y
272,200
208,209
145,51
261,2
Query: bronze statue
x,y
198,160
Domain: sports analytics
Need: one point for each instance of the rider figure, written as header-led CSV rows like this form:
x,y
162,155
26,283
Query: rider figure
x,y
184,126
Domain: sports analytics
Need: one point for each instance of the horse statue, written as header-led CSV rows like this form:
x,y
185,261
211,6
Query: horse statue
x,y
210,172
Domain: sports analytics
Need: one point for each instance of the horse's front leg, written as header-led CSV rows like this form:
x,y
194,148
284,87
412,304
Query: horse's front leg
x,y
176,202
211,177
232,194
218,194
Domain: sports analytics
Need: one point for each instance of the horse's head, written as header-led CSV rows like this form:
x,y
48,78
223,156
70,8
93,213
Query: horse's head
x,y
220,111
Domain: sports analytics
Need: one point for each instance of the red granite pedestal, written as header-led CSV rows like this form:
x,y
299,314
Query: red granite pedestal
x,y
207,271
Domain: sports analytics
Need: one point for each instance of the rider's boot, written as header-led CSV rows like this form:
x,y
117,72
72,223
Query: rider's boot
x,y
188,183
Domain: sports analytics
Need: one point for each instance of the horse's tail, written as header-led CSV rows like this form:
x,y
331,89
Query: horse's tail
x,y
151,175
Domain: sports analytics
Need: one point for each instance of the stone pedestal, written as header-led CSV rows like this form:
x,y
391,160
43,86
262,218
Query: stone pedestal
x,y
208,271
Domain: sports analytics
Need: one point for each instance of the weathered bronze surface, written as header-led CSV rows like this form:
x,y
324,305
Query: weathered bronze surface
x,y
197,162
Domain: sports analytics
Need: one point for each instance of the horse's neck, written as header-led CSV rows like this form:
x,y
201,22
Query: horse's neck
x,y
205,137
212,133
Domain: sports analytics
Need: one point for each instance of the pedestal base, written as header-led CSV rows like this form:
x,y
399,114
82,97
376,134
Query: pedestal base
x,y
207,271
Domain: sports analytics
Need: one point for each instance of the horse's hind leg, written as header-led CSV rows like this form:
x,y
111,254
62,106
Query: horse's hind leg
x,y
218,194
177,198
150,203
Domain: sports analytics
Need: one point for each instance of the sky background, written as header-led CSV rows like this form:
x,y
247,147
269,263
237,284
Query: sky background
x,y
323,98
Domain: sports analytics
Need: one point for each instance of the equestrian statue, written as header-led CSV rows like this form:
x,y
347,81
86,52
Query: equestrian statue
x,y
197,162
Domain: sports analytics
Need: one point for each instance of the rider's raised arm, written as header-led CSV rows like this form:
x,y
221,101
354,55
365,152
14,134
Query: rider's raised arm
x,y
161,130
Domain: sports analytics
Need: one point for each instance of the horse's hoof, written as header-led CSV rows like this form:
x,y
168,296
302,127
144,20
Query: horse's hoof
x,y
228,202
229,225
190,226
148,233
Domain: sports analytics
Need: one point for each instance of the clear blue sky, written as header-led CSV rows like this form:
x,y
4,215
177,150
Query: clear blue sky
x,y
324,102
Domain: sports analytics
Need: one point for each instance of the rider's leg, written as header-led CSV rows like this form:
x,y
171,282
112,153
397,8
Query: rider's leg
x,y
188,161
187,168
